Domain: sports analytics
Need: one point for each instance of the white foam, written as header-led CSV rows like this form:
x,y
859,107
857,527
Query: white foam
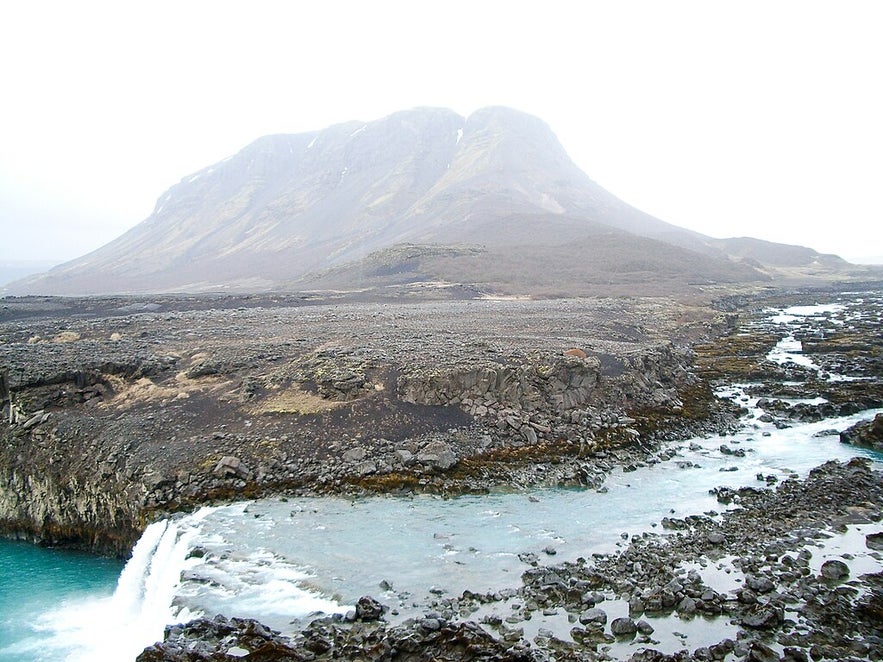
x,y
122,625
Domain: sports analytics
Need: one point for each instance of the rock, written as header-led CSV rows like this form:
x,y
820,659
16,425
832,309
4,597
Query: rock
x,y
369,609
594,615
576,352
865,433
437,454
762,653
874,541
354,454
716,537
759,584
791,654
763,617
834,569
365,468
687,607
623,627
644,627
529,434
38,418
230,466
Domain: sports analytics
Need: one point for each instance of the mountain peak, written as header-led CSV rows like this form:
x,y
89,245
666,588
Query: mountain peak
x,y
288,205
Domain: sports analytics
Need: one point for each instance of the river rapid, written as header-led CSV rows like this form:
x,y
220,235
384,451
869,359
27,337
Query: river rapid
x,y
282,560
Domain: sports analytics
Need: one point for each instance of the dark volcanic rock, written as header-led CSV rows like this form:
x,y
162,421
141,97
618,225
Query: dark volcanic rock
x,y
867,433
834,569
326,639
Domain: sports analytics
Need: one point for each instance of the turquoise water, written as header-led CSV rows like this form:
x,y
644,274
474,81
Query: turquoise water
x,y
34,582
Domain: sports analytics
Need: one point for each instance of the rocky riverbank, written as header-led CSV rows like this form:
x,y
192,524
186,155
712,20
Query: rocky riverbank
x,y
177,407
123,410
784,604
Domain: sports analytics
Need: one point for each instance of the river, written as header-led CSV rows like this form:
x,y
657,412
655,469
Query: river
x,y
281,560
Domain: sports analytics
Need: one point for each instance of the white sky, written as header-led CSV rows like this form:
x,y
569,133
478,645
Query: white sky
x,y
730,118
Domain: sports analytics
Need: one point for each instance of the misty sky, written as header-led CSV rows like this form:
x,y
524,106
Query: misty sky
x,y
730,118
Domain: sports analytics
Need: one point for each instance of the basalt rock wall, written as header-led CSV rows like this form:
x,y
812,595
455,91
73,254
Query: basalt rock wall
x,y
83,511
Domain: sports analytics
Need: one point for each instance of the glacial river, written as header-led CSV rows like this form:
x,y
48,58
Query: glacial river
x,y
281,560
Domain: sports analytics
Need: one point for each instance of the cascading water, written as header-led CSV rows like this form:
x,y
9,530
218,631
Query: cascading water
x,y
117,627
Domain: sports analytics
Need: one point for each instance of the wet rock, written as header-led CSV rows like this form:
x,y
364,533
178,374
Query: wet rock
x,y
866,433
715,537
834,569
369,609
763,617
644,627
759,652
759,584
594,615
687,607
874,541
623,627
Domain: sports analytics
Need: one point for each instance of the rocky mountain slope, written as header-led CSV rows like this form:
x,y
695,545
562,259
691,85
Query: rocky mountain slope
x,y
288,208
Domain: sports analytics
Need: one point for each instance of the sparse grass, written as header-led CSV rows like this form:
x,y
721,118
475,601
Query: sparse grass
x,y
294,400
127,394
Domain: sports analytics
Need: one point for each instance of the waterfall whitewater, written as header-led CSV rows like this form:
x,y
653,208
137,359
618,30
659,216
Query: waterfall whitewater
x,y
120,626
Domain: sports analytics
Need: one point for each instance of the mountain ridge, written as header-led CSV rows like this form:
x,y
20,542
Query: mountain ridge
x,y
290,205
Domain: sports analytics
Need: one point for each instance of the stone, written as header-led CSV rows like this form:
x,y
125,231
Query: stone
x,y
834,569
865,433
874,541
594,615
354,454
762,653
763,617
687,607
437,454
716,537
623,627
759,584
369,609
230,466
365,468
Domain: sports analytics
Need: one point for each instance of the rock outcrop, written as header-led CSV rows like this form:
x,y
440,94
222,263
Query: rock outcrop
x,y
867,433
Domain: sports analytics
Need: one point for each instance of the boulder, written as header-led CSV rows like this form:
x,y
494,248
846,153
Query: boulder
x,y
230,466
763,617
437,454
623,627
354,454
369,609
835,569
866,433
593,615
874,541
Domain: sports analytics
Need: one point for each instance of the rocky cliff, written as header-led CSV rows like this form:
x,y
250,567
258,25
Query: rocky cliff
x,y
120,416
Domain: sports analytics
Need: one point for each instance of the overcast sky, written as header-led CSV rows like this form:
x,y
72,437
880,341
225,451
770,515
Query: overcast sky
x,y
730,118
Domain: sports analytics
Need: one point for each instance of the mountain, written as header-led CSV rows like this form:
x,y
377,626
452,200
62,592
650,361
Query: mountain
x,y
301,210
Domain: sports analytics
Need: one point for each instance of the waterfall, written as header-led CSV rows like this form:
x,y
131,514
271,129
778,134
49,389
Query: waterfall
x,y
122,625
